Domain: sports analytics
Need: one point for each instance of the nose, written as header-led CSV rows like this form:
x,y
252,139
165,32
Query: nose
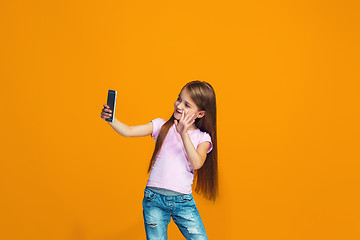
x,y
180,106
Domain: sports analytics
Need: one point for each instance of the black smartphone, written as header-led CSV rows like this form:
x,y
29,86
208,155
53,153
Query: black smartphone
x,y
111,102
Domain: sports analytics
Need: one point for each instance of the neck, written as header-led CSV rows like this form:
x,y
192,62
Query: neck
x,y
192,127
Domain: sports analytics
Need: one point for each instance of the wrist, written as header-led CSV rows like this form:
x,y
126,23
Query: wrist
x,y
184,134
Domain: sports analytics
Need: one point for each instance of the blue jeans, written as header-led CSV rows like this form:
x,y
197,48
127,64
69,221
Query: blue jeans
x,y
158,209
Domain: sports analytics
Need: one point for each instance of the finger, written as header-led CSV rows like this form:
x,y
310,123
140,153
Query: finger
x,y
189,117
192,116
186,115
104,113
104,116
106,110
107,106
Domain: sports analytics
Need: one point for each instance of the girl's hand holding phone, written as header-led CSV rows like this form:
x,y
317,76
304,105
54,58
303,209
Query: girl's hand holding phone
x,y
106,112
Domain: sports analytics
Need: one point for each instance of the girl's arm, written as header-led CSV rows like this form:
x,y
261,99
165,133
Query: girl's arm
x,y
131,131
197,156
125,130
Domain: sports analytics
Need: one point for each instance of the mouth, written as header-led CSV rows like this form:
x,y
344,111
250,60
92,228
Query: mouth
x,y
177,111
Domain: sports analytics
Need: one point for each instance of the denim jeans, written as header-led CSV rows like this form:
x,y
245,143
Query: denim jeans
x,y
158,209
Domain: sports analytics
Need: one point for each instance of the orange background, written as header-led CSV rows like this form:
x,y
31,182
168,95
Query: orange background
x,y
286,75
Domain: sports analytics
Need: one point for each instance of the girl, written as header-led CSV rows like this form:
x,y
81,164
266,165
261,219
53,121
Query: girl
x,y
186,144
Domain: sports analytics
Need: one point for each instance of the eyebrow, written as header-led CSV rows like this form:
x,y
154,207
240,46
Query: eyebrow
x,y
188,103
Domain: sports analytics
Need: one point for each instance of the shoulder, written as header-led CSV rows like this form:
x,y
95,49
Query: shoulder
x,y
205,135
205,140
157,124
158,121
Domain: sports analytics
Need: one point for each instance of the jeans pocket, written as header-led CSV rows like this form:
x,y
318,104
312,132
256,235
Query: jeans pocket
x,y
149,195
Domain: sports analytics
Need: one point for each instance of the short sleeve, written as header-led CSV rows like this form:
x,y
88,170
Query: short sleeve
x,y
206,138
157,124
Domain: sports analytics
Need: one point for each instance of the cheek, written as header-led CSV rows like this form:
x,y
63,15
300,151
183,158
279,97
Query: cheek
x,y
191,112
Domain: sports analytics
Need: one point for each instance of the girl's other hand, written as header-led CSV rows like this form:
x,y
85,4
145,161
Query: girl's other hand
x,y
106,112
185,121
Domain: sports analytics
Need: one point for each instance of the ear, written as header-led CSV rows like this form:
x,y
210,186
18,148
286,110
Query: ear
x,y
200,114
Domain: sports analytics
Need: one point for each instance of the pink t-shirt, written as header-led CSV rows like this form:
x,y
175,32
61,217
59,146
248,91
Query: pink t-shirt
x,y
172,169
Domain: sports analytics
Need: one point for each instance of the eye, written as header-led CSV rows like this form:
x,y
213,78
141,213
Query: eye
x,y
187,105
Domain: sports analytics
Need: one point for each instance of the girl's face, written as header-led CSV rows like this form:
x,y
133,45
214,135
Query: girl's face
x,y
185,104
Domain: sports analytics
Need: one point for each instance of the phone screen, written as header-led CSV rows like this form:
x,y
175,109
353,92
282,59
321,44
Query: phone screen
x,y
111,102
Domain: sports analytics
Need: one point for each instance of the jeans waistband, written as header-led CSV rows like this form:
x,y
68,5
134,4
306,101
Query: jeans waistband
x,y
165,192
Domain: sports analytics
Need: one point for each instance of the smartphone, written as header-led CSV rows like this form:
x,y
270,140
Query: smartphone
x,y
111,102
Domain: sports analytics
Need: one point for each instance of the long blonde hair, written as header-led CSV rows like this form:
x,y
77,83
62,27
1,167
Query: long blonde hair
x,y
203,94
